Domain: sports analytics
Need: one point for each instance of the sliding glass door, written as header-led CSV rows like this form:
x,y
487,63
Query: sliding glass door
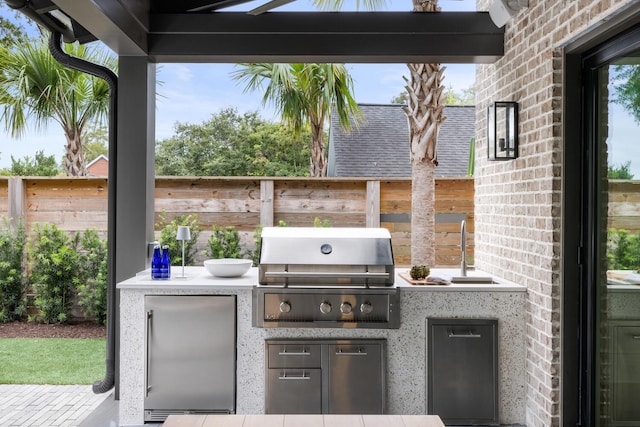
x,y
611,232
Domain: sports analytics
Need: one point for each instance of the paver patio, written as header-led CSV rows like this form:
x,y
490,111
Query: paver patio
x,y
46,405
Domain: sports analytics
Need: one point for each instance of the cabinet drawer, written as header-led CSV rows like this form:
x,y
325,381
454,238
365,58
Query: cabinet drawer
x,y
294,355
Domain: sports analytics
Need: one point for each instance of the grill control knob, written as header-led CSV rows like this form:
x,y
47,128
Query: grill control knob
x,y
285,307
366,307
325,308
345,308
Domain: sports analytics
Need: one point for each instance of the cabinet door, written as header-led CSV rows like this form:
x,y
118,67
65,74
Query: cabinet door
x,y
191,353
293,391
462,370
625,373
356,377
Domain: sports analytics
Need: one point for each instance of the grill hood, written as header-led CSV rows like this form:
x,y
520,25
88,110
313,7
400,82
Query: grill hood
x,y
320,256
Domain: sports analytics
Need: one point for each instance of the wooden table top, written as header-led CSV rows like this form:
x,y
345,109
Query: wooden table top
x,y
223,420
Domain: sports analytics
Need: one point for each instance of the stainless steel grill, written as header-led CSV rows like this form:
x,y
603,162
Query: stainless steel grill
x,y
326,277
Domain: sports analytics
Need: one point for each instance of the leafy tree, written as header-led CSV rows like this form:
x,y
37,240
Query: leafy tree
x,y
12,30
232,144
400,98
273,150
621,172
304,95
40,165
626,91
467,97
34,85
96,141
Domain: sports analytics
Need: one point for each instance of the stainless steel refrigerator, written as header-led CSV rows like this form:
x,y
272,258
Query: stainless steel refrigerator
x,y
190,355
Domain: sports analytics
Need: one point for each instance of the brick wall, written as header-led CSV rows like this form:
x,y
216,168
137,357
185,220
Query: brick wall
x,y
518,203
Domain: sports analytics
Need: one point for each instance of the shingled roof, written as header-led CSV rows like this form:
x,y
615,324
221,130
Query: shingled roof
x,y
380,148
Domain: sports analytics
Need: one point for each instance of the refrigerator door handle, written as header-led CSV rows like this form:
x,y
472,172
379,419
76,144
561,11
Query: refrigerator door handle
x,y
146,377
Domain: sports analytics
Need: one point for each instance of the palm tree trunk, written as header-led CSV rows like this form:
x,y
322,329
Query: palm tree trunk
x,y
74,158
318,167
423,222
425,116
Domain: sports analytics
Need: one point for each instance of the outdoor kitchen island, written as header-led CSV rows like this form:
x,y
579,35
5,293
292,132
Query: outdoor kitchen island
x,y
406,381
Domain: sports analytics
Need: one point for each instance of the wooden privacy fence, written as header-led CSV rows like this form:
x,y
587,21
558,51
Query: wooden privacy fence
x,y
76,204
624,205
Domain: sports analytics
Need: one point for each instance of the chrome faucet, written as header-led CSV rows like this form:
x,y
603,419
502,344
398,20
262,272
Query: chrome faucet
x,y
463,246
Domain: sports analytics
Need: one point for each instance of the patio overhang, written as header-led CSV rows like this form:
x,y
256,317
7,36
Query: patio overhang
x,y
362,37
344,37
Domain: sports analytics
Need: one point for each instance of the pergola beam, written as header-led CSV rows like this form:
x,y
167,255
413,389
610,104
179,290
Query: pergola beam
x,y
364,37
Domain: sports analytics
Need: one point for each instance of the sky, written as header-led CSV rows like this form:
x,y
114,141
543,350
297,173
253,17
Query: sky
x,y
190,93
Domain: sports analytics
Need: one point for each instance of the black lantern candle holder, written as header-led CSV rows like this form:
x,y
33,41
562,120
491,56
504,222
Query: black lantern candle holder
x,y
502,131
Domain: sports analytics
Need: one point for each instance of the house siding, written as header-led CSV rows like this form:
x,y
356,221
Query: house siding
x,y
518,203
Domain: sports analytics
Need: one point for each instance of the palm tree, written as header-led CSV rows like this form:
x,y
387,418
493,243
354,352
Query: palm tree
x,y
425,113
33,85
304,94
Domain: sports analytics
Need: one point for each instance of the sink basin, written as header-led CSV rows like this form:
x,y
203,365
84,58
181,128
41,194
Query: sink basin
x,y
473,279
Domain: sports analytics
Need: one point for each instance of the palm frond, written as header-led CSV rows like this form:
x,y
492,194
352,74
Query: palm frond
x,y
33,84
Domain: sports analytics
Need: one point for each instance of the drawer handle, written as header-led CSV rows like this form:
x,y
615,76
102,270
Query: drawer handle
x,y
304,352
636,337
304,376
467,335
360,352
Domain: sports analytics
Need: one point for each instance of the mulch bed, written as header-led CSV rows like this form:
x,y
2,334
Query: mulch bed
x,y
42,330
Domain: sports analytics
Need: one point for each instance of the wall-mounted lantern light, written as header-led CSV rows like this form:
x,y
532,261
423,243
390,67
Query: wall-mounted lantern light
x,y
502,131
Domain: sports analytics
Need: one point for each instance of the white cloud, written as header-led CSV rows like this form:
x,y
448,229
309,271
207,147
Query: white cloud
x,y
181,72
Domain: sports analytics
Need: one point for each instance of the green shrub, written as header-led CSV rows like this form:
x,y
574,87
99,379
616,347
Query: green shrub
x,y
224,242
92,284
623,250
168,233
12,278
54,272
317,222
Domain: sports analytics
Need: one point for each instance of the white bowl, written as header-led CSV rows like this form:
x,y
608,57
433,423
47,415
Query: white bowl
x,y
227,267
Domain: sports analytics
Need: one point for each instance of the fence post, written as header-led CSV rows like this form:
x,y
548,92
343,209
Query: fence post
x,y
17,201
266,203
373,204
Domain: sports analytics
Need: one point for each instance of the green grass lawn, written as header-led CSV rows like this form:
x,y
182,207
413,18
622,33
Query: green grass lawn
x,y
51,360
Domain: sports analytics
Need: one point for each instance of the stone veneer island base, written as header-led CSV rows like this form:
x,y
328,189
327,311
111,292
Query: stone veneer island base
x,y
406,346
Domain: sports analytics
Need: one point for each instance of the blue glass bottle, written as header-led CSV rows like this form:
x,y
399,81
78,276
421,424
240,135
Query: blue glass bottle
x,y
156,263
166,263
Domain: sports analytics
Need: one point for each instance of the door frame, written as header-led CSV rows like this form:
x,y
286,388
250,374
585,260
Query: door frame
x,y
582,57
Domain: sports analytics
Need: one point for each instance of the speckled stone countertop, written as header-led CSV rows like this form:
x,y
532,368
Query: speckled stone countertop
x,y
500,285
195,278
199,278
